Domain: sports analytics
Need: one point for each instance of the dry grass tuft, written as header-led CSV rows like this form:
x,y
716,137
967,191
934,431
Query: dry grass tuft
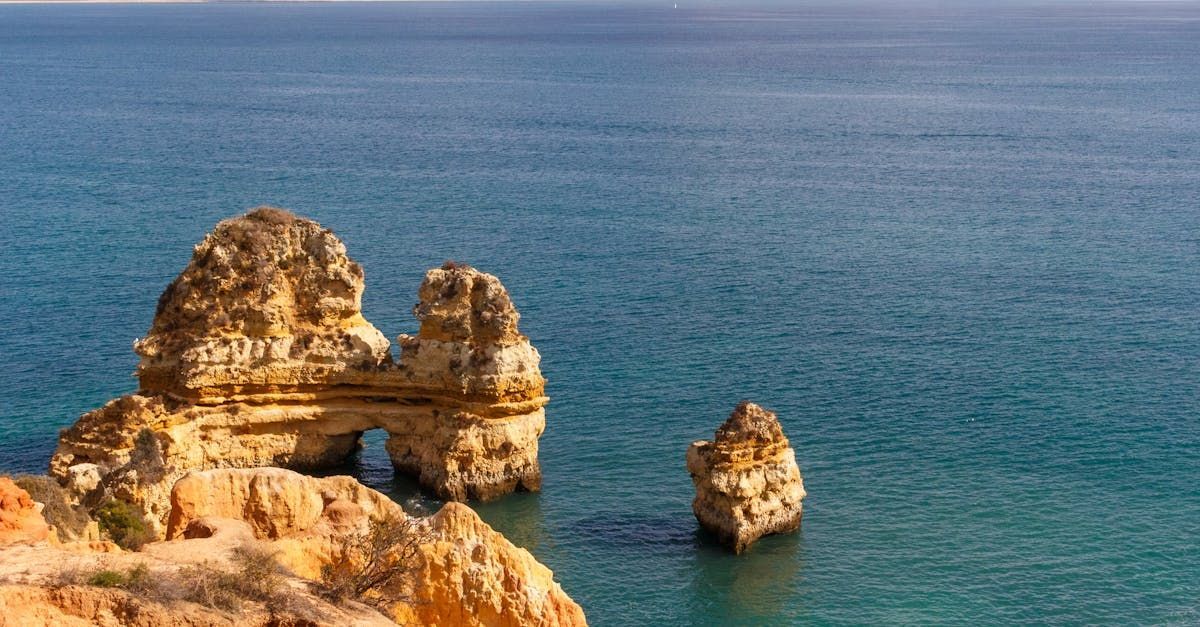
x,y
272,215
58,511
367,564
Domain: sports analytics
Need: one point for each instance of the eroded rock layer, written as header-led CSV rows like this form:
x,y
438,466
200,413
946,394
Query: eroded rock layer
x,y
747,482
269,302
460,571
259,356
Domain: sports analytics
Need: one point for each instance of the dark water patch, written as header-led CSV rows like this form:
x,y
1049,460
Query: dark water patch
x,y
639,531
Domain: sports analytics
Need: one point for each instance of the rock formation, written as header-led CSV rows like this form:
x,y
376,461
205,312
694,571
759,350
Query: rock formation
x,y
467,565
462,572
259,356
484,389
20,518
47,584
747,482
273,501
269,304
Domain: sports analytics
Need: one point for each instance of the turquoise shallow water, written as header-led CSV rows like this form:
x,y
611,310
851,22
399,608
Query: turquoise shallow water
x,y
954,247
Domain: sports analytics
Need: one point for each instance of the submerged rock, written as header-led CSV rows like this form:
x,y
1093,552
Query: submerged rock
x,y
259,356
747,482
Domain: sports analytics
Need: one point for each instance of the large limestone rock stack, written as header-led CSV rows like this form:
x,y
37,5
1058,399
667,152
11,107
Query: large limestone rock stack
x,y
270,303
486,391
259,356
747,482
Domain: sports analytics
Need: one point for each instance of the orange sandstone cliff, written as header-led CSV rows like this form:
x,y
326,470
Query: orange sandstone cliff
x,y
461,572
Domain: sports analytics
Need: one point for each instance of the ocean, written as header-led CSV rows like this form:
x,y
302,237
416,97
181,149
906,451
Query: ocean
x,y
954,245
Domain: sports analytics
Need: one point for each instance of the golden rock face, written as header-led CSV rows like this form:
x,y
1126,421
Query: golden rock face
x,y
259,356
269,299
462,572
747,482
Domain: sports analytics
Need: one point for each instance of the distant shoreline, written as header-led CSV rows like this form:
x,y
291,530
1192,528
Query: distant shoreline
x,y
4,2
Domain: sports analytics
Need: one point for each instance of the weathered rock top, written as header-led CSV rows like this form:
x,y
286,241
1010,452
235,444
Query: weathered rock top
x,y
268,273
462,304
751,434
750,424
268,299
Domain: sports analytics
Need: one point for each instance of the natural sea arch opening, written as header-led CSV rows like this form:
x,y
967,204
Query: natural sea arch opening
x,y
518,515
370,464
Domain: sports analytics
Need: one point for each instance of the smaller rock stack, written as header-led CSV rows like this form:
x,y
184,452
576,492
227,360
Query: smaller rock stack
x,y
747,482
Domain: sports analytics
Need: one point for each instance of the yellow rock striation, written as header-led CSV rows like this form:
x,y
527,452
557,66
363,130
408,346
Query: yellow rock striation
x,y
259,356
747,482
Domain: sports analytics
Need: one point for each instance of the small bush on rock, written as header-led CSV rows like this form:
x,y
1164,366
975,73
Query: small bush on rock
x,y
147,457
123,524
210,587
107,579
257,577
136,579
368,563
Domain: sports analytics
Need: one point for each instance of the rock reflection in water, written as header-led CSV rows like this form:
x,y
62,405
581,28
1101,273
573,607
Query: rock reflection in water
x,y
755,588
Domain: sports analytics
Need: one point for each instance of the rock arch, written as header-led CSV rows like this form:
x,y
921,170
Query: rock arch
x,y
259,356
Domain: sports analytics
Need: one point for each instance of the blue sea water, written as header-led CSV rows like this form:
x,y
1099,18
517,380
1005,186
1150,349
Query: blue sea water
x,y
953,245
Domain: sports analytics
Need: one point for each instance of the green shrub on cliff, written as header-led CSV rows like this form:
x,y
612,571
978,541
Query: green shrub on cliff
x,y
147,457
123,524
107,579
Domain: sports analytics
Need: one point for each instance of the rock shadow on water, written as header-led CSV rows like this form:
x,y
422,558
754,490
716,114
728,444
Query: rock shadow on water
x,y
520,518
645,532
